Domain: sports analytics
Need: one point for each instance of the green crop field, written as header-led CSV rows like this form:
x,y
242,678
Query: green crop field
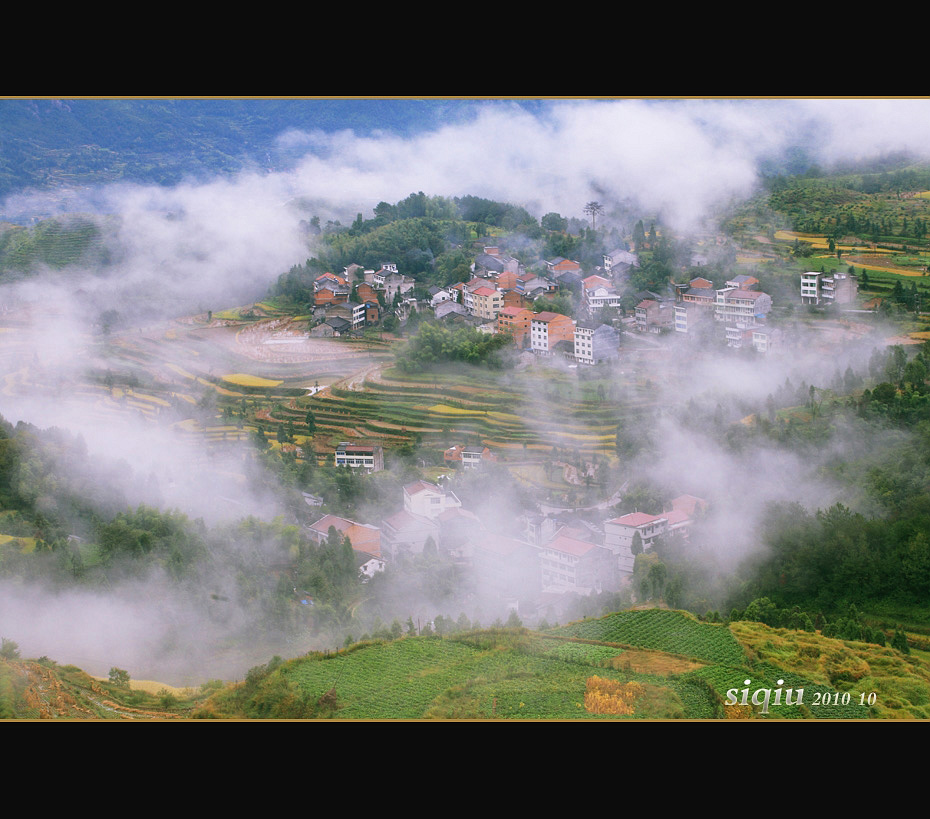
x,y
671,631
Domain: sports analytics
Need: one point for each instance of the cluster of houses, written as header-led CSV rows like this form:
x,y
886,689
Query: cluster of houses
x,y
535,570
350,302
500,297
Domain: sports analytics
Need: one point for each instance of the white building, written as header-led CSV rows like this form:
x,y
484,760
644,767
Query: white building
x,y
594,344
735,305
428,500
828,288
620,533
360,456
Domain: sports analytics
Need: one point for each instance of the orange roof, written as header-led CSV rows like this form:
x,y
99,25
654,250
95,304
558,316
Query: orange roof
x,y
688,503
331,276
677,516
636,519
364,537
570,545
421,486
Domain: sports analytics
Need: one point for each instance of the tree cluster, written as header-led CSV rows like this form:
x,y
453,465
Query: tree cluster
x,y
435,345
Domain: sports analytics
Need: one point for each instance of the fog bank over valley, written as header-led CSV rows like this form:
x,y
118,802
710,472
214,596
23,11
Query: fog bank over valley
x,y
75,338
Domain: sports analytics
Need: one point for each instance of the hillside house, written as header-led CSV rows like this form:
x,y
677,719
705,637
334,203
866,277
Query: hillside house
x,y
829,288
486,302
369,457
474,456
365,538
437,295
744,282
558,265
428,500
353,313
619,261
654,316
548,329
597,293
681,512
392,282
354,273
595,343
494,263
699,291
694,319
568,564
620,533
365,292
741,306
449,308
765,339
468,457
338,327
507,280
515,322
406,533
328,294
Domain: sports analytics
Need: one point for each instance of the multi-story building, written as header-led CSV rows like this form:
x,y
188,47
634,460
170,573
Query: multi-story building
x,y
764,339
355,314
594,344
561,265
515,322
620,533
428,500
470,457
691,318
571,565
828,288
505,566
548,329
619,260
487,302
654,316
360,456
597,293
735,305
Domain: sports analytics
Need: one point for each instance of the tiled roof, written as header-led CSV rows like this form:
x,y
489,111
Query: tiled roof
x,y
421,486
570,545
636,519
364,537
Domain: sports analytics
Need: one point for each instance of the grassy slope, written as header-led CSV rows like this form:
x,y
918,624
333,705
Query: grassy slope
x,y
526,675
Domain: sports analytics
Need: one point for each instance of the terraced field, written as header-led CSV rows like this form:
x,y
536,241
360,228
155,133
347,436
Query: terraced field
x,y
670,631
224,378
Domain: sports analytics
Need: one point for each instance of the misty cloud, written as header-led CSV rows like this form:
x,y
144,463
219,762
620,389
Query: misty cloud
x,y
221,243
229,238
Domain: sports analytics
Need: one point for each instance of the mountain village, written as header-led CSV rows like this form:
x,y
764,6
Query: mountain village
x,y
559,554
